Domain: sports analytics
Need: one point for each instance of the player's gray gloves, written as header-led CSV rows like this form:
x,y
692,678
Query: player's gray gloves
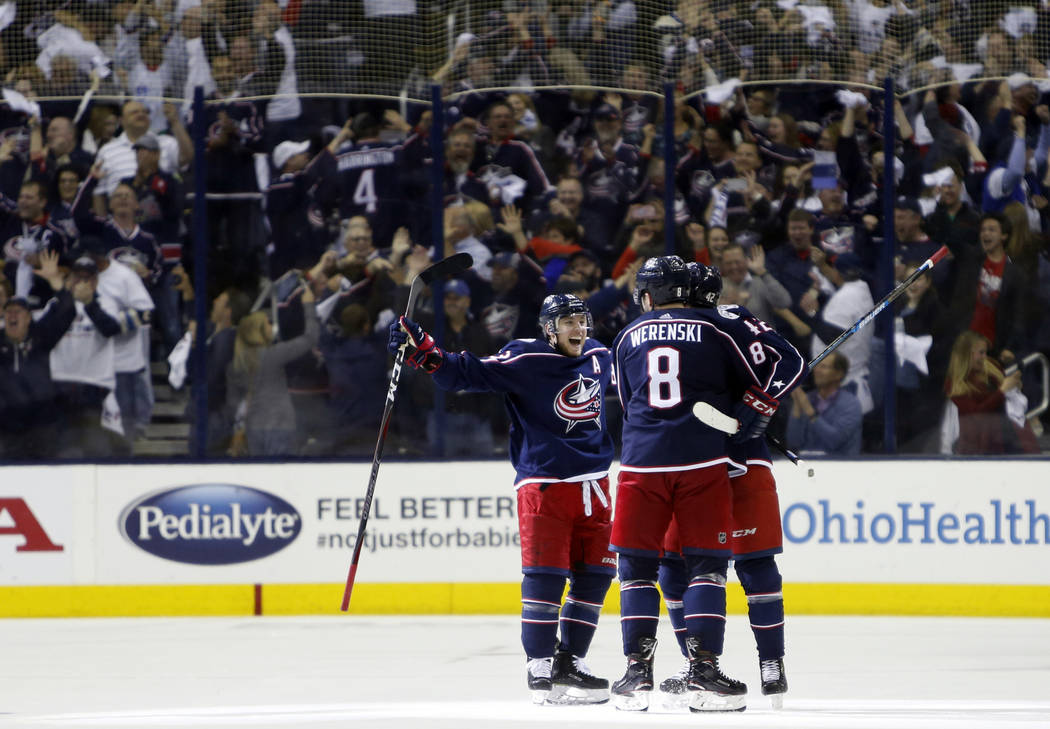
x,y
753,413
427,355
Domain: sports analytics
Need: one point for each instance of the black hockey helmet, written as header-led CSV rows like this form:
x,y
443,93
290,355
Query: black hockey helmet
x,y
556,306
705,284
665,279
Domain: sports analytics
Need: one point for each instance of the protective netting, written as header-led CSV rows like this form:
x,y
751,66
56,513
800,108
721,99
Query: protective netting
x,y
149,49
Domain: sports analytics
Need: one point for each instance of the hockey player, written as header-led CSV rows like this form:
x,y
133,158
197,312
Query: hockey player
x,y
757,534
673,466
560,446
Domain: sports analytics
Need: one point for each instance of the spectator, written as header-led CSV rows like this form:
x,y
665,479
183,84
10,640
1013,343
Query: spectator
x,y
118,159
979,389
124,295
227,311
296,224
27,231
468,416
846,305
791,263
462,227
256,385
60,211
827,420
370,176
369,270
517,291
749,283
920,391
460,182
507,165
82,366
991,292
150,77
357,372
61,150
276,76
159,212
120,231
29,410
913,245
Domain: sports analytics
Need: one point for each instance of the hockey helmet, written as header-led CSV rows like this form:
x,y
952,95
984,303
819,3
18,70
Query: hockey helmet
x,y
665,279
555,307
705,284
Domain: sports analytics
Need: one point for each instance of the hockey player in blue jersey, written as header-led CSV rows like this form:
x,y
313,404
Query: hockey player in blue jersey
x,y
675,467
560,446
757,533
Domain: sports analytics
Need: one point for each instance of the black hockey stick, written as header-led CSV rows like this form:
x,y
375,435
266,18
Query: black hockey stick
x,y
711,416
442,269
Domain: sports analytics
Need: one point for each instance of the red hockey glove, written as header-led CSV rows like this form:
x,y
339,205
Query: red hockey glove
x,y
753,413
427,355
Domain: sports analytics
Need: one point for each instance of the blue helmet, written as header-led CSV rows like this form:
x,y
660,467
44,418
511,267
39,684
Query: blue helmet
x,y
665,279
556,306
705,284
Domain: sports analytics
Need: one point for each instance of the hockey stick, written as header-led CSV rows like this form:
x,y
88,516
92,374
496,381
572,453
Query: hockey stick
x,y
442,269
711,416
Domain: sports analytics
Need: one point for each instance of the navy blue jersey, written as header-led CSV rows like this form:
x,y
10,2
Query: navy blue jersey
x,y
555,403
369,175
667,360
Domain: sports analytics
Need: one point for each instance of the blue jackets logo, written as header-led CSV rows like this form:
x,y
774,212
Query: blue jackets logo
x,y
211,523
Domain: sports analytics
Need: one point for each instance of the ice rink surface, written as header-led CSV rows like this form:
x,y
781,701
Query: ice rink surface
x,y
468,672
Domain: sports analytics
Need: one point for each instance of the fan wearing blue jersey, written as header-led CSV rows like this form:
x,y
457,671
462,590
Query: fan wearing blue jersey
x,y
756,537
561,448
675,467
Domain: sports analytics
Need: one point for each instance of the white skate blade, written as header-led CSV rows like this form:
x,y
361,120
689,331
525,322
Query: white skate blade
x,y
562,695
712,701
539,697
633,701
776,701
676,703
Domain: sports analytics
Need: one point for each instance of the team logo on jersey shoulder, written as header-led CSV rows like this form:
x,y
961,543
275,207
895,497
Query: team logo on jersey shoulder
x,y
579,401
726,311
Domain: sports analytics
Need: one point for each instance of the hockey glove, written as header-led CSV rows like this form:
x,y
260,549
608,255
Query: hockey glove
x,y
753,413
427,355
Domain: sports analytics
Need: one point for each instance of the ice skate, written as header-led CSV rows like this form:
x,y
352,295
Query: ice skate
x,y
675,689
712,690
573,683
774,681
631,693
539,678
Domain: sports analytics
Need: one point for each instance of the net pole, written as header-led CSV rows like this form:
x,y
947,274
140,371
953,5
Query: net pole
x,y
200,272
437,224
889,186
669,168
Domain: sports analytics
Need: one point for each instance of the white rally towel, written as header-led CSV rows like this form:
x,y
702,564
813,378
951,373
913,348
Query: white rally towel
x,y
720,93
18,102
180,355
111,414
939,177
851,99
913,349
7,14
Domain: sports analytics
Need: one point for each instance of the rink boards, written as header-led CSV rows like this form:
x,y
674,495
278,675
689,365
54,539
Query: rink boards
x,y
861,537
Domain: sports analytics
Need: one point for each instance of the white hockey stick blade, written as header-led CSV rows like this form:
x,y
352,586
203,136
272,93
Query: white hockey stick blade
x,y
715,418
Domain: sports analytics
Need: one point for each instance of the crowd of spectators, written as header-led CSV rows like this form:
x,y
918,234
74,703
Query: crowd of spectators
x,y
319,198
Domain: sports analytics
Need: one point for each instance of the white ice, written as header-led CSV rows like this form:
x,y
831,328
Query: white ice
x,y
467,672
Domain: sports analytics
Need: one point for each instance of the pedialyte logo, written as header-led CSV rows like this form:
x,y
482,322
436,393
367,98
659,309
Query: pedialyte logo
x,y
210,523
